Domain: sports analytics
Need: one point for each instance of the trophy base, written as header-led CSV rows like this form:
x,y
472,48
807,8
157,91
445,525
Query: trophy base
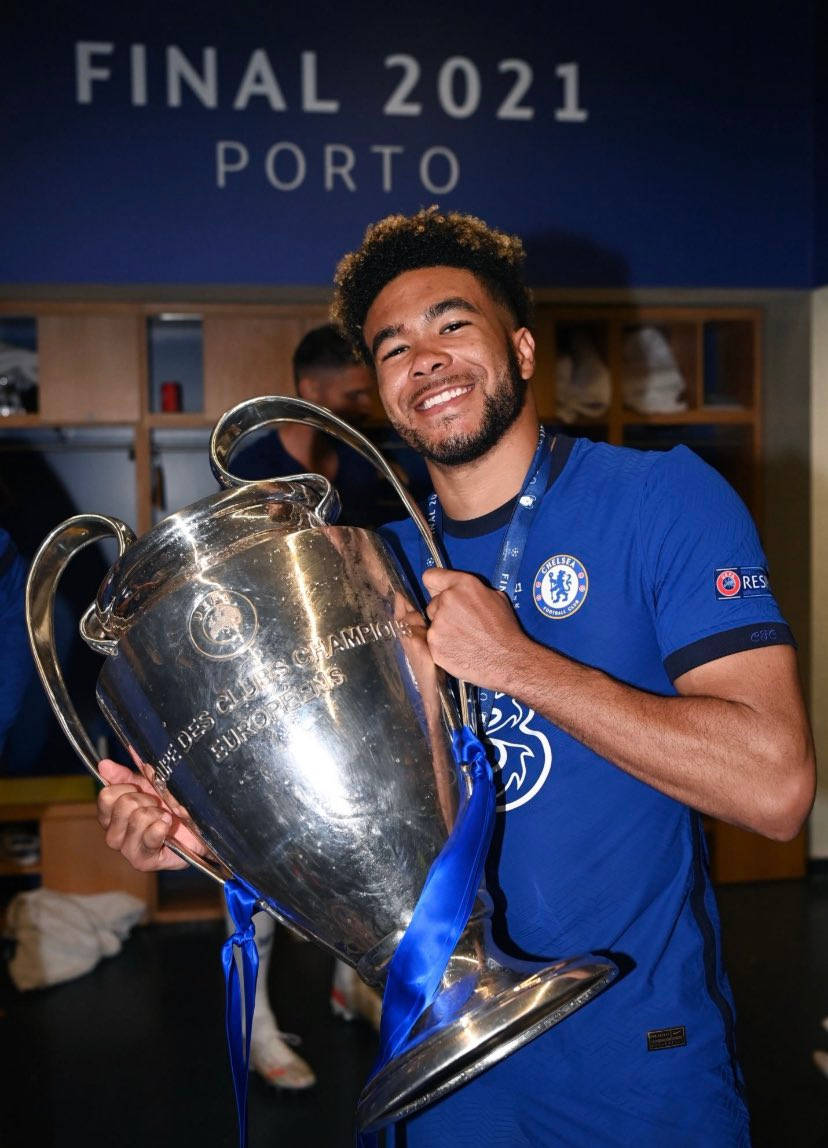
x,y
509,1005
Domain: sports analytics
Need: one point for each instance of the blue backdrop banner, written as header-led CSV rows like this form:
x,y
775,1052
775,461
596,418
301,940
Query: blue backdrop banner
x,y
251,143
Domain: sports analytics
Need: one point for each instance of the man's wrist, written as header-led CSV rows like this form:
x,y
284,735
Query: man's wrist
x,y
528,670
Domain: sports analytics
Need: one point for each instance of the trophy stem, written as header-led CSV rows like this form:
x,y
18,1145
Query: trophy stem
x,y
488,1005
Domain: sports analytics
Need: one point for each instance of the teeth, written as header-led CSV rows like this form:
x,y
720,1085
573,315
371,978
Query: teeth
x,y
444,397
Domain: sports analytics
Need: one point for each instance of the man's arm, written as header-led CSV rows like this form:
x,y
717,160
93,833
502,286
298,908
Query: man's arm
x,y
735,743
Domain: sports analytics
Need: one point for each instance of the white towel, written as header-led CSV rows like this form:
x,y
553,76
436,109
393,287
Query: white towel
x,y
61,936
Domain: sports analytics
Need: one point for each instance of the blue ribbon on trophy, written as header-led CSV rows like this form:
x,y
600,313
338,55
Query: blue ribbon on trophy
x,y
242,900
443,907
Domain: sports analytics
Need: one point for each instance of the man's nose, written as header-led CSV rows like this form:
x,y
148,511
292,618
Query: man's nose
x,y
428,360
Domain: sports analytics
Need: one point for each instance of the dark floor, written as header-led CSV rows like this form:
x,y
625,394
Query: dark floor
x,y
133,1054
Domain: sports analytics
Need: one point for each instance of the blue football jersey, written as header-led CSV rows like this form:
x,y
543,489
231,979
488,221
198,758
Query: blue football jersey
x,y
643,565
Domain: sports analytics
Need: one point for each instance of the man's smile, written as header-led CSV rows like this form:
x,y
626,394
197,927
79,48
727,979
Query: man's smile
x,y
441,397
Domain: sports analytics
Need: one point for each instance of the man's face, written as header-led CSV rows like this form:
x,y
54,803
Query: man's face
x,y
452,372
347,391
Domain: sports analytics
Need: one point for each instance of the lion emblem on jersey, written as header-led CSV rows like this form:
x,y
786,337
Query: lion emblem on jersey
x,y
559,586
524,755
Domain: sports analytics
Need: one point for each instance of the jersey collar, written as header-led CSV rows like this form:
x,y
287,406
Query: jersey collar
x,y
499,517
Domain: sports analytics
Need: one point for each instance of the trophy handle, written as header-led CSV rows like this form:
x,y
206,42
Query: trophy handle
x,y
54,555
255,413
48,565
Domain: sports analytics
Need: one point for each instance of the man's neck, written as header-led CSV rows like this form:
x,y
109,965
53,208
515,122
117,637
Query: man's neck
x,y
481,486
310,448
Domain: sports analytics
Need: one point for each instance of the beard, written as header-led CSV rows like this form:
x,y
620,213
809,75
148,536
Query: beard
x,y
500,410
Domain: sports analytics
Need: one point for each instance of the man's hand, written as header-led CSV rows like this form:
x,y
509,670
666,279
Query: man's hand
x,y
137,822
474,633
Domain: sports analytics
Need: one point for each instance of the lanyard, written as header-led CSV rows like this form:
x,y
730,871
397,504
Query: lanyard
x,y
506,569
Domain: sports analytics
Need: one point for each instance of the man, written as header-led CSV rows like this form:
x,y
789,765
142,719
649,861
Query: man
x,y
626,682
326,372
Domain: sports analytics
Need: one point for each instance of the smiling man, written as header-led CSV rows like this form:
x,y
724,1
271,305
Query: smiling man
x,y
633,670
460,315
621,695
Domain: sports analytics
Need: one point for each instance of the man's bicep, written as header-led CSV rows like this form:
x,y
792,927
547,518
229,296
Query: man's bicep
x,y
766,677
773,730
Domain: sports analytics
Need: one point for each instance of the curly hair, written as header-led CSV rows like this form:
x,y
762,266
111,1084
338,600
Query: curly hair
x,y
429,238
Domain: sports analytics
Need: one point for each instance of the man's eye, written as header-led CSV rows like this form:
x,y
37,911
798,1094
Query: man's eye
x,y
390,354
455,325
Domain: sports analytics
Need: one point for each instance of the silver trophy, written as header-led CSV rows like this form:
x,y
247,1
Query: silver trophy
x,y
261,667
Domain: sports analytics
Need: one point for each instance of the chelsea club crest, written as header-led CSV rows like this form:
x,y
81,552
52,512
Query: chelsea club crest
x,y
560,586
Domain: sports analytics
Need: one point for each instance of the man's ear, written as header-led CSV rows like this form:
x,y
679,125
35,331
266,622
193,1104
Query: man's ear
x,y
309,389
524,343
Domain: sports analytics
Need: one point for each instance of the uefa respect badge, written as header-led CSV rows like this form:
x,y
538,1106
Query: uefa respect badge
x,y
741,582
560,586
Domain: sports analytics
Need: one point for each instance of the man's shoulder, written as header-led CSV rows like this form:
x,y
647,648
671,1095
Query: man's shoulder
x,y
597,463
586,454
600,471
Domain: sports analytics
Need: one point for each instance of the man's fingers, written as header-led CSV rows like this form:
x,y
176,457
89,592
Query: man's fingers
x,y
108,798
437,579
137,825
141,838
114,773
120,808
146,833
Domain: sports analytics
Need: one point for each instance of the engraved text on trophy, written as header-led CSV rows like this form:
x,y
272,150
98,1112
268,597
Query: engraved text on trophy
x,y
260,698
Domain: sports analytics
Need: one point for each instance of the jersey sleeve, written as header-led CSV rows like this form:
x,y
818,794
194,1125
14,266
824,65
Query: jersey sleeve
x,y
707,573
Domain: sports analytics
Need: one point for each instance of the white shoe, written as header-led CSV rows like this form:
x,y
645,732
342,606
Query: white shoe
x,y
273,1058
